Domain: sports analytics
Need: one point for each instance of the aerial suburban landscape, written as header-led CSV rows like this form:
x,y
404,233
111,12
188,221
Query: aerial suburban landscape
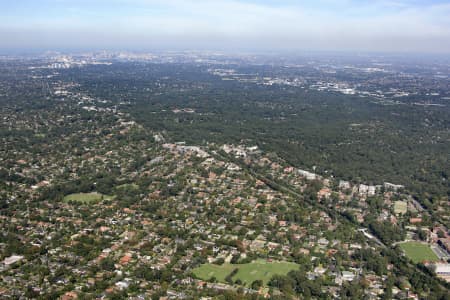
x,y
117,179
225,149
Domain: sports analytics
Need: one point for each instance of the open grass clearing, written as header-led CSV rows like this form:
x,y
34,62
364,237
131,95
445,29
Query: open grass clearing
x,y
86,198
129,186
418,252
257,270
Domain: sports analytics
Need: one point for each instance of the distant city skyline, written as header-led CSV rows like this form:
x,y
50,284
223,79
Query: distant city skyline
x,y
235,25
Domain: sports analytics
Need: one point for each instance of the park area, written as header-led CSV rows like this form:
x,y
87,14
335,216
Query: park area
x,y
418,252
86,198
257,270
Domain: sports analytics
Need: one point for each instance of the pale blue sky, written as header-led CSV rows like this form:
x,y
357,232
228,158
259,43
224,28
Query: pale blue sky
x,y
364,25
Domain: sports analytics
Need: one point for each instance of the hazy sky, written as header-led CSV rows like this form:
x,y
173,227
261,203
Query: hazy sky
x,y
288,25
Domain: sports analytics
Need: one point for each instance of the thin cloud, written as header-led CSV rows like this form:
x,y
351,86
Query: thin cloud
x,y
397,25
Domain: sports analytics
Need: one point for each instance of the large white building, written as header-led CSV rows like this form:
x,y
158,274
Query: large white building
x,y
443,271
12,259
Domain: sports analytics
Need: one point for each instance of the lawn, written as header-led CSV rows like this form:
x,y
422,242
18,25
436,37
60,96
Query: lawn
x,y
130,186
418,252
86,197
400,207
257,270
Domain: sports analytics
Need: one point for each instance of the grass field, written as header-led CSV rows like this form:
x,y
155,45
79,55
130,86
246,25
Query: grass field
x,y
257,270
86,197
418,252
